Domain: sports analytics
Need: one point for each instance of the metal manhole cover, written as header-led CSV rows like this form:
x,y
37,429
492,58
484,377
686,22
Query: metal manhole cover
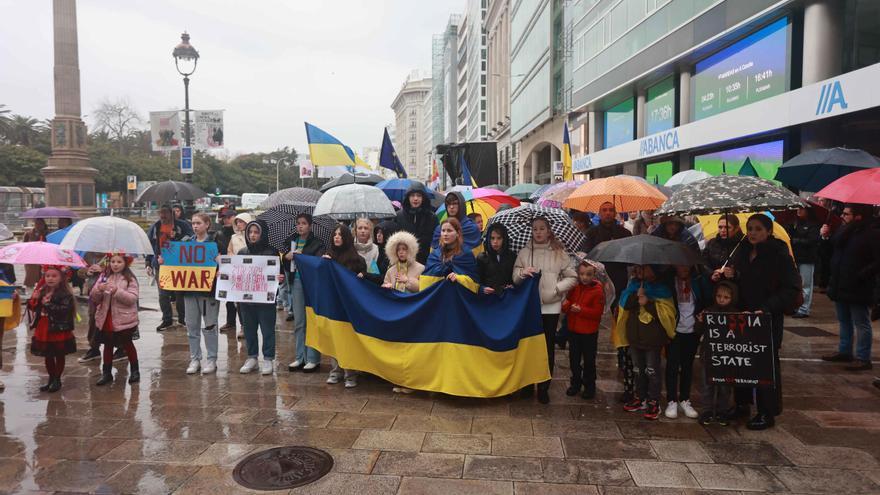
x,y
282,468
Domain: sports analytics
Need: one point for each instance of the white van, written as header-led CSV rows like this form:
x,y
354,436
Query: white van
x,y
250,201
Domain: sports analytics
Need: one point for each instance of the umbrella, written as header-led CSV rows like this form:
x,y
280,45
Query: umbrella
x,y
5,233
106,234
686,177
396,189
497,187
730,194
349,178
601,276
709,225
291,195
815,169
626,193
815,211
519,226
39,253
556,194
57,236
522,191
858,187
354,201
645,249
281,222
482,201
170,190
49,212
540,191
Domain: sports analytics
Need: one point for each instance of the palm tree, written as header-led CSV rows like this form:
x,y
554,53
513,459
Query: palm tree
x,y
23,130
4,122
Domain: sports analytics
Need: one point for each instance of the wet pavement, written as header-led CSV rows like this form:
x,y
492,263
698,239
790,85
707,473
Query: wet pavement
x,y
174,433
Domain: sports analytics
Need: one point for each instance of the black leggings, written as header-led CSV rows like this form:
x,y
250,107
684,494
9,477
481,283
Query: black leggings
x,y
549,323
680,355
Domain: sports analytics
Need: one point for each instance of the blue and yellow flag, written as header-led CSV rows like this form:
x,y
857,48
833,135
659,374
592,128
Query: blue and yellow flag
x,y
10,307
566,154
436,270
466,176
388,157
327,151
442,339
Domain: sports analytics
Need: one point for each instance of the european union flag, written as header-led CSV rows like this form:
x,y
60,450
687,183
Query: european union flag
x,y
388,157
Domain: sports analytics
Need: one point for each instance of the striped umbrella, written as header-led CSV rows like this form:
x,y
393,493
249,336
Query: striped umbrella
x,y
519,226
291,195
624,192
483,201
556,194
281,222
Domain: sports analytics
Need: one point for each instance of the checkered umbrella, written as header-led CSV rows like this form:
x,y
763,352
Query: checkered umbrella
x,y
519,226
281,221
291,195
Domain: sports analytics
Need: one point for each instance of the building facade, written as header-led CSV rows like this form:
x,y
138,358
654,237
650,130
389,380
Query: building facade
x,y
660,86
497,28
411,130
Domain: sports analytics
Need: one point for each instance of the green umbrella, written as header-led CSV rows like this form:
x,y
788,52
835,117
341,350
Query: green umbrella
x,y
522,191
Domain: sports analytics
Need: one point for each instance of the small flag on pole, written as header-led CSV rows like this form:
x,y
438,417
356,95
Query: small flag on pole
x,y
388,157
435,175
466,176
566,155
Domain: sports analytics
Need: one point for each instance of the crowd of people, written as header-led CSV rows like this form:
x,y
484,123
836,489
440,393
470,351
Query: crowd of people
x,y
657,311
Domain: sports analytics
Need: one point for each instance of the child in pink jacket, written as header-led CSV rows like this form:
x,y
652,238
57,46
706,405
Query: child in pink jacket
x,y
115,296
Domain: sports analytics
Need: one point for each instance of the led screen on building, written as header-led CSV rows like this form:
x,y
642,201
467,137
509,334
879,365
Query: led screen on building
x,y
765,157
660,107
750,70
659,172
619,121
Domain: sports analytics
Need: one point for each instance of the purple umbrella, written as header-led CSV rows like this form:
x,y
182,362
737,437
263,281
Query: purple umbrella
x,y
49,212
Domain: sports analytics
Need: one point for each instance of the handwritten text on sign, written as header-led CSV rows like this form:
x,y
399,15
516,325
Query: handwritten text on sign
x,y
188,266
740,348
245,278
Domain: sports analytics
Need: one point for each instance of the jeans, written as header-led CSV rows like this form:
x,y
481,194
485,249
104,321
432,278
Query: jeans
x,y
582,349
680,354
807,270
284,294
854,319
304,354
647,372
165,304
230,314
263,316
339,372
199,309
549,322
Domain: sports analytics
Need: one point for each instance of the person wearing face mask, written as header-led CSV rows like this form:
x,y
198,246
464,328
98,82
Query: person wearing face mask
x,y
495,263
417,217
303,243
456,207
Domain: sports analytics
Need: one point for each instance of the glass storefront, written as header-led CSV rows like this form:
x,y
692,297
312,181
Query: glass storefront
x,y
619,123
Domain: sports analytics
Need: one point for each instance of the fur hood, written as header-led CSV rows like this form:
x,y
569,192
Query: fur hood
x,y
402,237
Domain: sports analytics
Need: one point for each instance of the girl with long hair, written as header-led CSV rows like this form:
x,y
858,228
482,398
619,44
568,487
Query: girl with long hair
x,y
201,307
342,251
115,297
451,260
51,312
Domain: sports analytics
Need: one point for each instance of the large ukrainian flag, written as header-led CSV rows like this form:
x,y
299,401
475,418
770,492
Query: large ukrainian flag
x,y
444,339
327,151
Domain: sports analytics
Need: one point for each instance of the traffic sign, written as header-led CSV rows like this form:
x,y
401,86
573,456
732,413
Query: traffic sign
x,y
132,182
186,160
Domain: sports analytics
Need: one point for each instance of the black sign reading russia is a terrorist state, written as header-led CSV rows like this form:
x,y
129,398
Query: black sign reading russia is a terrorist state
x,y
740,348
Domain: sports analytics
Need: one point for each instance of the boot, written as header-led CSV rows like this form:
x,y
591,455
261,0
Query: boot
x,y
45,388
54,384
134,374
106,376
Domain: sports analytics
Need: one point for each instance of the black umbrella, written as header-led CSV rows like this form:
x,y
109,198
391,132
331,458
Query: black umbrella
x,y
729,194
291,195
349,178
281,221
519,226
644,250
815,169
170,190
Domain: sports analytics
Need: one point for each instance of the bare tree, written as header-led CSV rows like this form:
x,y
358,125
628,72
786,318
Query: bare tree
x,y
117,118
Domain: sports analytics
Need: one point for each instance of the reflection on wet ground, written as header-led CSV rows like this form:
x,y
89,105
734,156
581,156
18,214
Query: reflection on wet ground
x,y
174,433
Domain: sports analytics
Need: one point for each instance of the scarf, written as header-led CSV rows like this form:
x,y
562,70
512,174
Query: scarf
x,y
370,253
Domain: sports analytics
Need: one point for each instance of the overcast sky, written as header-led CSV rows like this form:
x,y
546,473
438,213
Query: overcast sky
x,y
270,64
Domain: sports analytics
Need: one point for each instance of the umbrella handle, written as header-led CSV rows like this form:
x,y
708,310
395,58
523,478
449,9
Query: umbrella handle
x,y
729,256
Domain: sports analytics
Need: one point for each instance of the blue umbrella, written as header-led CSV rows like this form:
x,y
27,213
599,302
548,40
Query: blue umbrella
x,y
396,189
58,236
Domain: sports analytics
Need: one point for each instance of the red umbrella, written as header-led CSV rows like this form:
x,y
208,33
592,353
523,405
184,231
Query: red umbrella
x,y
858,187
816,211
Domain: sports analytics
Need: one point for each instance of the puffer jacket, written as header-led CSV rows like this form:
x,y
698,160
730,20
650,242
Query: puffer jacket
x,y
413,268
122,306
238,242
557,274
718,249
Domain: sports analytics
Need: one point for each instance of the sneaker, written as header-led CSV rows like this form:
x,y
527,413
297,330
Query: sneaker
x,y
249,365
707,418
838,358
800,315
859,365
311,367
635,405
688,409
119,355
227,327
164,326
295,366
210,367
405,391
333,379
193,367
671,411
90,355
267,367
351,382
652,410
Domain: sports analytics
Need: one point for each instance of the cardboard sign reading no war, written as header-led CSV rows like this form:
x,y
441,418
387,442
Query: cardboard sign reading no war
x,y
188,266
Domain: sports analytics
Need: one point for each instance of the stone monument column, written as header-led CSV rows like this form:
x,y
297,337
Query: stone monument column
x,y
70,181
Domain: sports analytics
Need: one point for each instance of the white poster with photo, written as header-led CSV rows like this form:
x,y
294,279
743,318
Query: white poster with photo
x,y
166,131
208,129
306,169
250,279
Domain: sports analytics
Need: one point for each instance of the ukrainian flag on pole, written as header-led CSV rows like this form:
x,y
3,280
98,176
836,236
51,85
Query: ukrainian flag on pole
x,y
327,151
566,155
466,176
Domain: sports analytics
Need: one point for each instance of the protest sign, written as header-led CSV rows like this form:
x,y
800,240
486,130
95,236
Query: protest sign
x,y
245,278
740,349
188,266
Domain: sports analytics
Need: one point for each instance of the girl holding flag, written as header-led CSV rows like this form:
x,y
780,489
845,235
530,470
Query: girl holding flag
x,y
451,260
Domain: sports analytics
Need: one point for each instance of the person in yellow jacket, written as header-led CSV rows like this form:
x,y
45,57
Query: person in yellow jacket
x,y
10,313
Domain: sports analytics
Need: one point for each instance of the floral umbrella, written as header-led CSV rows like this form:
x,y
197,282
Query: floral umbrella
x,y
556,194
729,194
483,201
39,253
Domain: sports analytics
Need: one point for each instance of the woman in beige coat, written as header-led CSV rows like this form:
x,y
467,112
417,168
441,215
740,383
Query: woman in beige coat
x,y
546,256
403,269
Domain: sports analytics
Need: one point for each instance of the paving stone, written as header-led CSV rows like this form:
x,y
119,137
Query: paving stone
x,y
74,448
600,472
607,449
678,430
224,454
384,405
820,480
502,426
310,437
217,480
574,428
443,424
12,472
529,488
452,443
680,451
841,419
527,446
661,474
148,479
729,477
157,450
420,464
439,486
76,476
502,468
335,403
407,441
746,453
356,420
353,461
345,483
311,419
10,446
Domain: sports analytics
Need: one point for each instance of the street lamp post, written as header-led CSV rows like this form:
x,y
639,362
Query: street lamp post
x,y
187,57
